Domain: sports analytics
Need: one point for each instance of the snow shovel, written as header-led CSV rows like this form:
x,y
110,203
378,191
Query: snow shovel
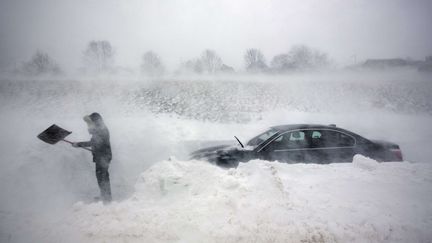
x,y
54,134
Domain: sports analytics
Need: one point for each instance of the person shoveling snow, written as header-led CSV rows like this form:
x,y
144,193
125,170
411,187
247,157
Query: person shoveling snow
x,y
99,144
101,150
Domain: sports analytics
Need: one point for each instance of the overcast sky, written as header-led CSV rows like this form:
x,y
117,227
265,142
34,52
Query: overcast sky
x,y
180,29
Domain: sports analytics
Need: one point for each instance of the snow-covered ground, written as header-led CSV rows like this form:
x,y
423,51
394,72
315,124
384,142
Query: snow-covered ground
x,y
47,190
262,201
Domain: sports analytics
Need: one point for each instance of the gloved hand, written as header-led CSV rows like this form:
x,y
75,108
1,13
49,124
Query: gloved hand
x,y
75,145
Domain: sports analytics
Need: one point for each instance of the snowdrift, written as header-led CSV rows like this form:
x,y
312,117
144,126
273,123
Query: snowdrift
x,y
262,201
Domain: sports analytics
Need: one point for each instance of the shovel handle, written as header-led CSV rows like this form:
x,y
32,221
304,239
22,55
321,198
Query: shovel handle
x,y
64,140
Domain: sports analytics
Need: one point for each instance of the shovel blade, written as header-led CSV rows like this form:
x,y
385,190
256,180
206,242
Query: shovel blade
x,y
53,134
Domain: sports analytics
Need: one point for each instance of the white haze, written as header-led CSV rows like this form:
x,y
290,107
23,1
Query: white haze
x,y
349,31
152,120
47,190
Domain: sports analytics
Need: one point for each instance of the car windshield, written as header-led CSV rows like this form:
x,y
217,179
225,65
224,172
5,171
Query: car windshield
x,y
262,137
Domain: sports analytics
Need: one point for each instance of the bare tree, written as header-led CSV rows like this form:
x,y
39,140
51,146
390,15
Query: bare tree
x,y
303,57
151,64
208,63
300,58
192,66
227,69
99,56
254,60
41,63
321,60
281,63
211,62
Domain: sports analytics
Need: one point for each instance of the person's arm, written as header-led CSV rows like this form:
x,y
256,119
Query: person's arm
x,y
82,144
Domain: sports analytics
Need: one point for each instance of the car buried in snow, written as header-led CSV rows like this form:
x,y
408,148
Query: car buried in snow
x,y
301,143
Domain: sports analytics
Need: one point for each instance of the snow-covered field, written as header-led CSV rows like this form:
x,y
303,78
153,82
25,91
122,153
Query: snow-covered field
x,y
47,190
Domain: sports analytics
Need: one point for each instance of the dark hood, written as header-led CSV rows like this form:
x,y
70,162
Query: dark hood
x,y
206,152
224,155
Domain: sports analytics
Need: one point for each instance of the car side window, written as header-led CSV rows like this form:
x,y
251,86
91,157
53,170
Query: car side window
x,y
316,134
345,140
289,140
328,138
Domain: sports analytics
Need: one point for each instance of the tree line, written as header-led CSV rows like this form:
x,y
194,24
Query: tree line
x,y
99,57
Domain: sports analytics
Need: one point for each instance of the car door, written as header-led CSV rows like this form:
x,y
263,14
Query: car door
x,y
326,146
287,147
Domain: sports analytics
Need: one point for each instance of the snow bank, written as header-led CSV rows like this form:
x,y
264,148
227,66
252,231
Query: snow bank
x,y
365,163
262,201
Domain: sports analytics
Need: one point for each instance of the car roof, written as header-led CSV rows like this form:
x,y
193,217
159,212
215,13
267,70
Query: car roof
x,y
283,128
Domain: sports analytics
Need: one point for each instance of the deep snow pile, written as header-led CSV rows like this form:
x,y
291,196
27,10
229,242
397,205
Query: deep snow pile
x,y
261,201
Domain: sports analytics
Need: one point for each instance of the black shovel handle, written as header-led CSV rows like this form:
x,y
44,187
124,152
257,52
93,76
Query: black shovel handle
x,y
64,140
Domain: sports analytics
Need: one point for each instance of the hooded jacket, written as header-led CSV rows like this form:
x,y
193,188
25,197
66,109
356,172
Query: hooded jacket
x,y
100,140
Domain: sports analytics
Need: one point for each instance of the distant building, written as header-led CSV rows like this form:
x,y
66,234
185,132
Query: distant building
x,y
378,64
385,63
426,66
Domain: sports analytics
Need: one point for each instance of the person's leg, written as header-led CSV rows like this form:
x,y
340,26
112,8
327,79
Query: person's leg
x,y
99,176
102,176
106,186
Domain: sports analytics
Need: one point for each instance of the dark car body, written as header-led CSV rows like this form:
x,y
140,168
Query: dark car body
x,y
302,143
